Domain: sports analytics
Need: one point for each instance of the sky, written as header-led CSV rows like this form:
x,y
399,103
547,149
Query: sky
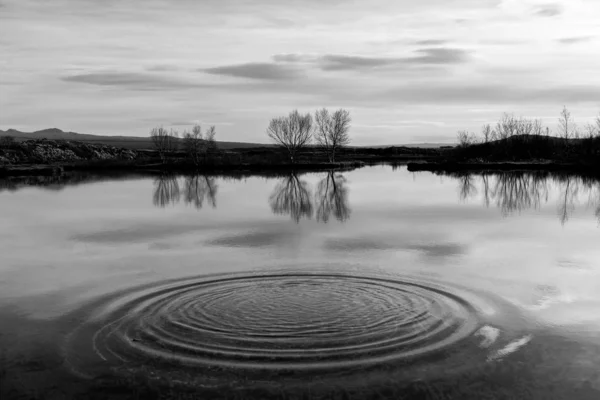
x,y
408,71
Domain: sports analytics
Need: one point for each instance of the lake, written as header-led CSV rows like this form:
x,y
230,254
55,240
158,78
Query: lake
x,y
371,283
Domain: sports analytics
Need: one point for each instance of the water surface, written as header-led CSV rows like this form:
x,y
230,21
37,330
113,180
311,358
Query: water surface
x,y
372,282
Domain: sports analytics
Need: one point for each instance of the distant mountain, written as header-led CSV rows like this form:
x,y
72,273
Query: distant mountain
x,y
128,142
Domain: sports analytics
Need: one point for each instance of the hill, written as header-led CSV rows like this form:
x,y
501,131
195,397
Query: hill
x,y
128,142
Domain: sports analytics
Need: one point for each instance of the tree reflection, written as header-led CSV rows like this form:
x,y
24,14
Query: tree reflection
x,y
332,198
198,188
467,186
166,190
518,191
292,196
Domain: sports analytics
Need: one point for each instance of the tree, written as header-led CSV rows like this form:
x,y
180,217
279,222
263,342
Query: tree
x,y
538,127
566,125
591,131
465,138
486,132
506,127
211,143
292,132
332,130
198,145
164,141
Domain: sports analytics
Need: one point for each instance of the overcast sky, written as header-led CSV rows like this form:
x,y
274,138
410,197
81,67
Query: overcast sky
x,y
409,71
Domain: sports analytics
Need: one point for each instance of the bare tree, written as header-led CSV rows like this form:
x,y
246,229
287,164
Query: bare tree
x,y
164,141
598,125
292,132
198,145
211,143
566,125
591,131
538,127
486,132
332,130
506,127
192,144
465,138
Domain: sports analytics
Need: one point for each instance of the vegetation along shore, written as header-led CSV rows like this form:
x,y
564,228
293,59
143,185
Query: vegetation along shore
x,y
304,142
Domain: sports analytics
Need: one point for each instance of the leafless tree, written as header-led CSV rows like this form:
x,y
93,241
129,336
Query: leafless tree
x,y
486,132
292,196
332,198
292,132
198,145
331,131
506,127
166,190
465,138
566,125
590,131
538,128
198,188
164,141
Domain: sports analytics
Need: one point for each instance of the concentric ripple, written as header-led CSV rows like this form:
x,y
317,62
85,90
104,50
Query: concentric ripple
x,y
297,321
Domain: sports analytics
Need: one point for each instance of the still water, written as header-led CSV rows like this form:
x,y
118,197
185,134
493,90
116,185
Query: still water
x,y
371,283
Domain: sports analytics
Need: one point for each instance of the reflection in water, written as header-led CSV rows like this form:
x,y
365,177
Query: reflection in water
x,y
292,196
332,197
518,191
166,190
467,186
196,189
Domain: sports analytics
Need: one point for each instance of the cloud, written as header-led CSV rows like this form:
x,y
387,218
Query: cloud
x,y
430,42
575,39
260,71
162,67
339,62
491,94
440,55
549,10
132,80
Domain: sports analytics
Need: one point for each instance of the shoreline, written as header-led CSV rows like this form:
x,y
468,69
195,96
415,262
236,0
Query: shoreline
x,y
548,166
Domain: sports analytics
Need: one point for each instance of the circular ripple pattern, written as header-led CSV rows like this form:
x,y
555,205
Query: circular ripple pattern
x,y
292,321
